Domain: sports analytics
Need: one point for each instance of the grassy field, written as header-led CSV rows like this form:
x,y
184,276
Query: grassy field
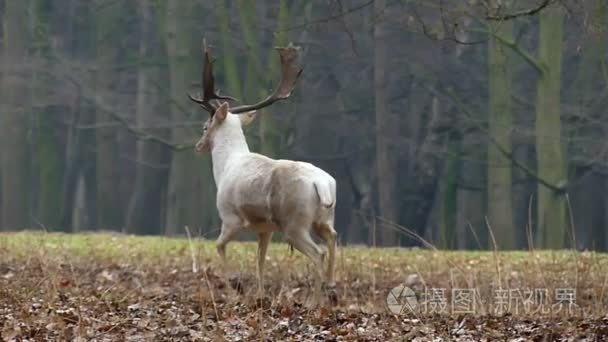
x,y
103,287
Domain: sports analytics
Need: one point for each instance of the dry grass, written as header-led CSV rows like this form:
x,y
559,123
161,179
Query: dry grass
x,y
114,287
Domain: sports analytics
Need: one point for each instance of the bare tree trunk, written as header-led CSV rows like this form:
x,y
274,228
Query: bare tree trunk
x,y
191,189
587,204
500,209
587,196
77,144
604,229
270,130
51,141
143,211
2,109
249,20
470,200
384,127
551,159
79,217
448,192
429,173
15,97
109,211
470,204
228,56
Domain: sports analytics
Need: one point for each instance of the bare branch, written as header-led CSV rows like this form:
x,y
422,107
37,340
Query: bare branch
x,y
559,188
329,18
449,37
61,71
533,62
528,12
141,135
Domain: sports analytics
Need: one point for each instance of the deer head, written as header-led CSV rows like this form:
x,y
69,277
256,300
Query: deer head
x,y
210,100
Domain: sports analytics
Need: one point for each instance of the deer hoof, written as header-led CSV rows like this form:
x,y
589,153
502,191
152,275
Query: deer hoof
x,y
332,295
263,303
237,284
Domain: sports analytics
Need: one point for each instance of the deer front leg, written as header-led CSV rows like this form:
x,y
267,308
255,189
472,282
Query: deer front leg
x,y
227,234
229,230
263,242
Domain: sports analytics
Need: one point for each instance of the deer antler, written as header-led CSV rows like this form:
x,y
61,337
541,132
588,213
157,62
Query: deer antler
x,y
208,84
289,75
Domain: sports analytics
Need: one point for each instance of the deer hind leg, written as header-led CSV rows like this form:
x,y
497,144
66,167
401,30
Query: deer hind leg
x,y
299,237
263,242
329,235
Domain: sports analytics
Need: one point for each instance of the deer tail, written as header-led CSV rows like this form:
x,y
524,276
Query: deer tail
x,y
325,197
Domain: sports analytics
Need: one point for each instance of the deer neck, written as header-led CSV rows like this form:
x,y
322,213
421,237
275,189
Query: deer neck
x,y
229,142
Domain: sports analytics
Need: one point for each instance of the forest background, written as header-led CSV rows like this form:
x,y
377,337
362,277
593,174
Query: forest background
x,y
465,125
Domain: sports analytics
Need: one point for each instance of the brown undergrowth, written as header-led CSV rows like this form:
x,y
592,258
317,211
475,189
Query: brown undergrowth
x,y
103,287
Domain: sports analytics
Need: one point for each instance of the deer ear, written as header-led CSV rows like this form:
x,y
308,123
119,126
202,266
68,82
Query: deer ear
x,y
248,117
220,113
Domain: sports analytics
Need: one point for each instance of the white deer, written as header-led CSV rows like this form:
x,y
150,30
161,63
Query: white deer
x,y
263,195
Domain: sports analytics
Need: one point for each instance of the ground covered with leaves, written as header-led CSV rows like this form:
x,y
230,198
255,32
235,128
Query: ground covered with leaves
x,y
103,287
